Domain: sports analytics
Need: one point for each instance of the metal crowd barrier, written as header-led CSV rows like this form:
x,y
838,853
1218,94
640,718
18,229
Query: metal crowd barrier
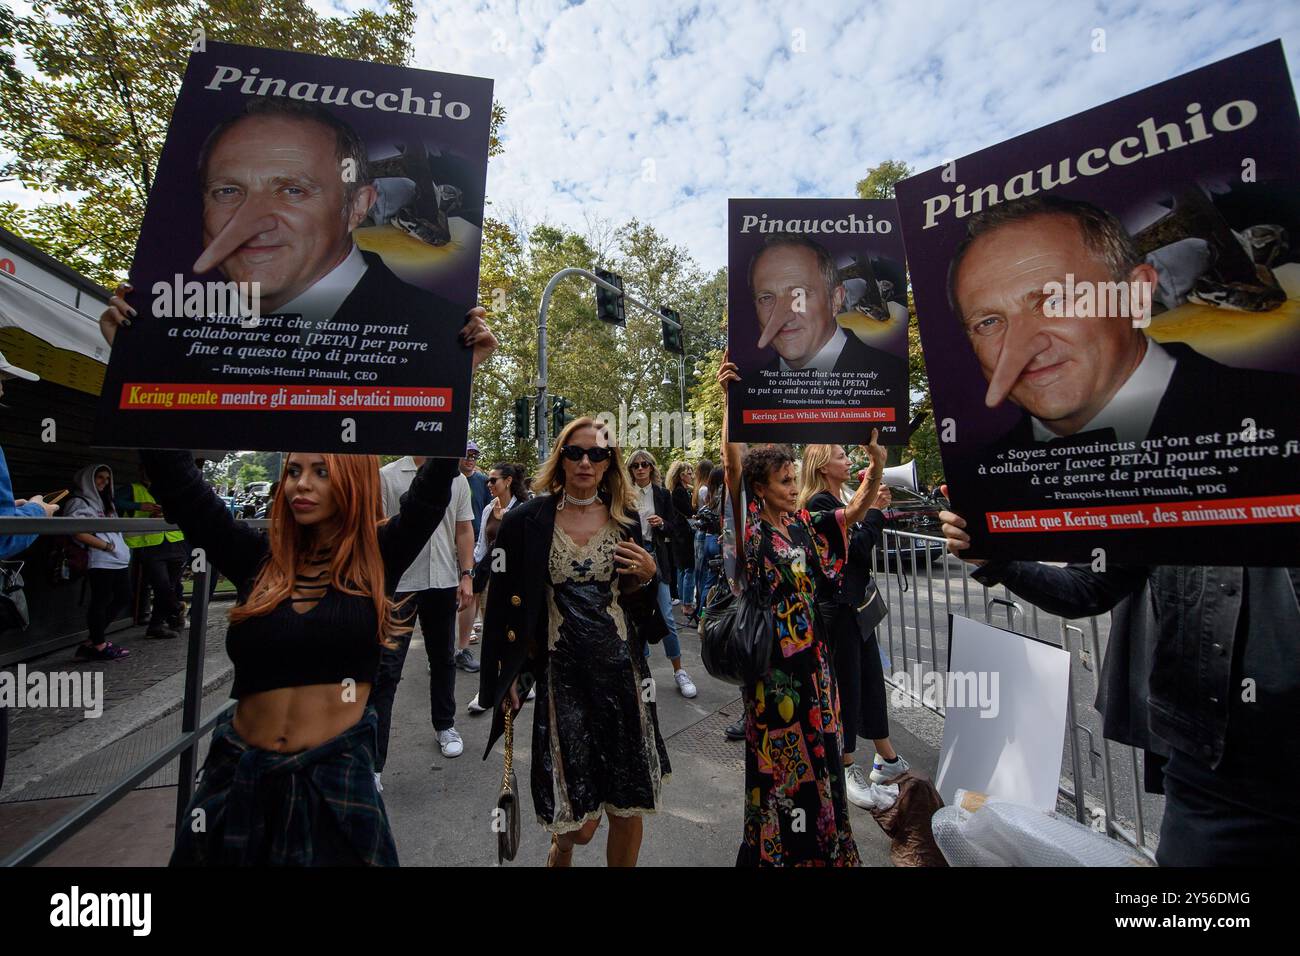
x,y
910,563
194,727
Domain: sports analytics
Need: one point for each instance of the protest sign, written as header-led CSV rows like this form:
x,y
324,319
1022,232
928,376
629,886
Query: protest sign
x,y
307,257
1109,309
817,320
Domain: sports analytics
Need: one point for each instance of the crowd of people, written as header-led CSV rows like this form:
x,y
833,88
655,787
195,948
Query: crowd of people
x,y
569,578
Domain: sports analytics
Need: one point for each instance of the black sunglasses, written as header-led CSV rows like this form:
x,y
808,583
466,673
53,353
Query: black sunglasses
x,y
595,454
640,464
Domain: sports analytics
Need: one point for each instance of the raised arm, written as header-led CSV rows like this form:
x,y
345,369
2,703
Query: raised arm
x,y
869,482
189,502
420,510
733,454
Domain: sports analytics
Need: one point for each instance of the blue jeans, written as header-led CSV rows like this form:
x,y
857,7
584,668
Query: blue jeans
x,y
710,547
686,585
672,646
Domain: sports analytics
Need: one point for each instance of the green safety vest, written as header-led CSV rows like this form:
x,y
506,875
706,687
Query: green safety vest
x,y
140,494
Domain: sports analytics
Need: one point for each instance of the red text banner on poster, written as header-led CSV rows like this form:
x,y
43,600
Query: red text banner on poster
x,y
1181,514
252,398
770,415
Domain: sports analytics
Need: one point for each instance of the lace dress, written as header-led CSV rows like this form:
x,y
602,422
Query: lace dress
x,y
596,742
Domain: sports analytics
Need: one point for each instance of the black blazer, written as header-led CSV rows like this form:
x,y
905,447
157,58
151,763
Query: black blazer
x,y
515,621
683,534
663,538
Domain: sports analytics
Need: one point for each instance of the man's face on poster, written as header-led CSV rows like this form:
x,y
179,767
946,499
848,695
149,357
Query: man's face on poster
x,y
275,207
1062,370
790,292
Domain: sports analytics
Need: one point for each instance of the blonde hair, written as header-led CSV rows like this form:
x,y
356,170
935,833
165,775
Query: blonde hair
x,y
616,483
811,480
655,478
675,473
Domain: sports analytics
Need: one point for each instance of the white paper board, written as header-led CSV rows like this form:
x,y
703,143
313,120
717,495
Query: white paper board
x,y
1006,705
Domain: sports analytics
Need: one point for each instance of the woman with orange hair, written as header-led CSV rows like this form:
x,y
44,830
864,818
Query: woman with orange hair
x,y
289,779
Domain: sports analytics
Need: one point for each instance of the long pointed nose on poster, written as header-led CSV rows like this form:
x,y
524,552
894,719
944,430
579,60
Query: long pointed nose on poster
x,y
817,320
307,257
1109,309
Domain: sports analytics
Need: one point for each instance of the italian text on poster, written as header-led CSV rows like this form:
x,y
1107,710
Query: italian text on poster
x,y
306,261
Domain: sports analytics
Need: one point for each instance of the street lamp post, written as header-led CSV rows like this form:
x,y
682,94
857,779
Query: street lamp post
x,y
543,435
681,380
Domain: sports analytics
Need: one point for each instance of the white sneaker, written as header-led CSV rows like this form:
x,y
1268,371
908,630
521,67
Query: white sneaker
x,y
856,786
882,771
532,692
474,707
450,743
676,602
378,786
685,684
868,796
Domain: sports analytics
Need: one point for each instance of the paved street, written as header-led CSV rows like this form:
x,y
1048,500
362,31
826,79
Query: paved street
x,y
441,808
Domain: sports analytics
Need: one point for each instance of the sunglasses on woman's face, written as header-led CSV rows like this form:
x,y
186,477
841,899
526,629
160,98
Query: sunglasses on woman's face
x,y
595,454
638,465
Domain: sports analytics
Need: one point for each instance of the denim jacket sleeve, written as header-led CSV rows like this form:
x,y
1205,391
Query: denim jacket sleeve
x,y
1072,591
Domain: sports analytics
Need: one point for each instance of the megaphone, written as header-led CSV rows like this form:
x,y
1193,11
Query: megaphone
x,y
903,477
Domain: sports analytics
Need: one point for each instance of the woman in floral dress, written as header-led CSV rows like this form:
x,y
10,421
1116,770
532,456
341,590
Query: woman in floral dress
x,y
796,811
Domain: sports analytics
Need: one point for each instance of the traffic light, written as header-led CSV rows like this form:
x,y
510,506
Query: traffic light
x,y
672,332
609,305
560,415
523,418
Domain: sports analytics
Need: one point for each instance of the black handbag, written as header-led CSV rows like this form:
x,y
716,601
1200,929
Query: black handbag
x,y
737,635
507,819
872,611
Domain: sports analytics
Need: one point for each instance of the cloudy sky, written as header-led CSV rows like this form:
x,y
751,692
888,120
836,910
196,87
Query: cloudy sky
x,y
661,111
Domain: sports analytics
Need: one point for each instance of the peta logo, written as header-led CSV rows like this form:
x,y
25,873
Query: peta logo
x,y
77,909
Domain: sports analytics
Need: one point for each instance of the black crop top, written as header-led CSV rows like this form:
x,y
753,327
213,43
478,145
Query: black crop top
x,y
333,641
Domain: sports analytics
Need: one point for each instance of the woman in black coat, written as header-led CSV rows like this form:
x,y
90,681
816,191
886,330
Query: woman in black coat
x,y
573,609
681,486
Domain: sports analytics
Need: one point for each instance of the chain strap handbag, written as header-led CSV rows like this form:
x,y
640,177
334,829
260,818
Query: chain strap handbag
x,y
507,823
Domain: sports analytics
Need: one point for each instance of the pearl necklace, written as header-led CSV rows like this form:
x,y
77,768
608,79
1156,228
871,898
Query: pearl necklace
x,y
580,502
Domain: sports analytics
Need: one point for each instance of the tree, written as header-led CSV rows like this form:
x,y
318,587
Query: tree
x,y
250,472
94,118
597,367
923,447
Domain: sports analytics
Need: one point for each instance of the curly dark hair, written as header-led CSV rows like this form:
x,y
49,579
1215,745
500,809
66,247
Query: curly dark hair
x,y
759,463
515,475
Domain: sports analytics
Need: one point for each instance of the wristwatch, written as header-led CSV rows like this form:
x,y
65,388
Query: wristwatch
x,y
466,574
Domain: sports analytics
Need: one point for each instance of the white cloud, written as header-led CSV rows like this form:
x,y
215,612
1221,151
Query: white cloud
x,y
717,97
